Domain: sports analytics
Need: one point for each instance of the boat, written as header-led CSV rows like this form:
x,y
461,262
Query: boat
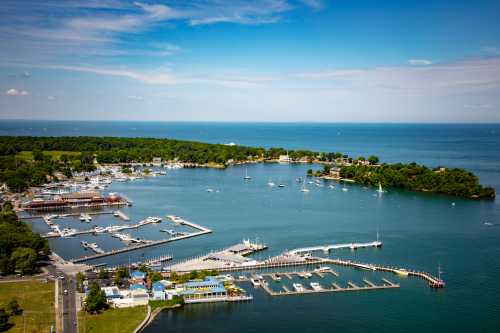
x,y
488,223
298,287
247,177
322,269
271,183
345,189
85,217
316,286
210,190
153,219
298,180
255,282
380,189
116,214
331,186
281,185
304,188
439,283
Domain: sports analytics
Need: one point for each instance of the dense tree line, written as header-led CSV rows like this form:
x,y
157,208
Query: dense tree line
x,y
19,246
18,174
457,182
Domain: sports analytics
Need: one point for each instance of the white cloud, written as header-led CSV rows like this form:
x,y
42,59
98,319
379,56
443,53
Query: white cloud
x,y
420,62
12,92
161,77
463,76
16,92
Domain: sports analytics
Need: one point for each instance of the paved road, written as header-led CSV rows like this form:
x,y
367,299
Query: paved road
x,y
66,299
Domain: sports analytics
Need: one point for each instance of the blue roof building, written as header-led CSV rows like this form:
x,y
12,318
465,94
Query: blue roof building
x,y
137,286
208,290
138,275
158,291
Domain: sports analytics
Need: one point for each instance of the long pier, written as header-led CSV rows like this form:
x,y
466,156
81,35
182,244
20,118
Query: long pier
x,y
328,248
432,280
202,231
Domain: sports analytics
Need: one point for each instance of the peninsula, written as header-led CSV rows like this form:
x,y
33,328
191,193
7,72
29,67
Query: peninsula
x,y
31,161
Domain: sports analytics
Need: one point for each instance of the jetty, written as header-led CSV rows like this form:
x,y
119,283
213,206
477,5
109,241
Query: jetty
x,y
202,231
328,248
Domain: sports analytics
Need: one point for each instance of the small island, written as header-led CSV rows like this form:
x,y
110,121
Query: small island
x,y
32,161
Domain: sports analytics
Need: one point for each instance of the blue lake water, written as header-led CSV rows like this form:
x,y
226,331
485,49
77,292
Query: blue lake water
x,y
419,230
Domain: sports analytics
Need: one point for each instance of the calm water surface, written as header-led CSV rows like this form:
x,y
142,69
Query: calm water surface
x,y
419,231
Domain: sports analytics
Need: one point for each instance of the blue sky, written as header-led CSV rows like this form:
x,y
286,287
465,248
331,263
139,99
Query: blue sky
x,y
263,60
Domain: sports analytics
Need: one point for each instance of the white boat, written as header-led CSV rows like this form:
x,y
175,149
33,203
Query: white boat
x,y
116,214
255,282
271,183
281,185
345,189
380,189
153,219
304,188
85,217
331,186
210,190
316,286
322,269
247,177
298,287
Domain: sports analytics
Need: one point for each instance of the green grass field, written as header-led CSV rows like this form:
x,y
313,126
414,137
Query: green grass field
x,y
112,320
54,154
36,298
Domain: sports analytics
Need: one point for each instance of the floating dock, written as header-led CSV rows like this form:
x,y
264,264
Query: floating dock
x,y
323,289
202,231
328,248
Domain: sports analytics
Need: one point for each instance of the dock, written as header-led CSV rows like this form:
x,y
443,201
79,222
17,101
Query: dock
x,y
335,288
202,231
121,215
328,248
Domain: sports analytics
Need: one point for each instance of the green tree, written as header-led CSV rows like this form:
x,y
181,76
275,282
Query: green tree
x,y
38,155
373,159
14,308
310,172
24,259
103,274
4,320
80,277
96,299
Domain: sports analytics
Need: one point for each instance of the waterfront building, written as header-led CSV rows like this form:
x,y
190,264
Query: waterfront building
x,y
111,292
158,291
137,277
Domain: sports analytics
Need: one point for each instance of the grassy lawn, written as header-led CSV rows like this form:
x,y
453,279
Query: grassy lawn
x,y
36,298
54,154
112,320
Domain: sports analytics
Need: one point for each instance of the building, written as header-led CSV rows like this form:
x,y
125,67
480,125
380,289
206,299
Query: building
x,y
138,277
284,159
208,290
158,291
157,161
111,292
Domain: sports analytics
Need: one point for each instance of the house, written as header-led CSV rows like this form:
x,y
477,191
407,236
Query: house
x,y
157,161
158,291
137,286
284,159
138,276
111,292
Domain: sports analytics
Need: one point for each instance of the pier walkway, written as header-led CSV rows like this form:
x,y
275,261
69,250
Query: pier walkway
x,y
328,248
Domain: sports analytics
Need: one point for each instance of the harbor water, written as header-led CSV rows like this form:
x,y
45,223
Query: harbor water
x,y
419,231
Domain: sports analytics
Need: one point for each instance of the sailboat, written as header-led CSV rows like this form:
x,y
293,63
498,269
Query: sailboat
x,y
439,283
270,183
304,188
247,177
380,189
